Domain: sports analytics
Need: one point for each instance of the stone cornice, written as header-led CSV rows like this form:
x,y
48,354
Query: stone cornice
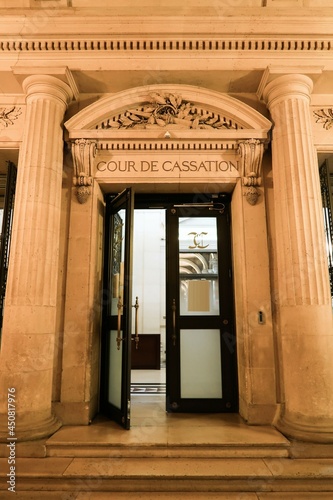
x,y
166,44
81,22
227,136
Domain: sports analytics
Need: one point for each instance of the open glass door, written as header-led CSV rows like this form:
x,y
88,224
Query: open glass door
x,y
117,312
201,354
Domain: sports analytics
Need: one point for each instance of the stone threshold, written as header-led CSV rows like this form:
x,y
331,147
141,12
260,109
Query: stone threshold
x,y
42,449
66,495
90,442
251,475
181,436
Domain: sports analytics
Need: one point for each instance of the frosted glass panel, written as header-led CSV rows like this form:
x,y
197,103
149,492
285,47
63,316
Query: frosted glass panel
x,y
115,370
199,297
200,362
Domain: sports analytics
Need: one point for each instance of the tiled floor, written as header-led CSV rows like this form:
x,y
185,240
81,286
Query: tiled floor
x,y
148,382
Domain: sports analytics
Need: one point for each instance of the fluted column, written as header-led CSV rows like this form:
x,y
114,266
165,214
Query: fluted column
x,y
26,362
303,300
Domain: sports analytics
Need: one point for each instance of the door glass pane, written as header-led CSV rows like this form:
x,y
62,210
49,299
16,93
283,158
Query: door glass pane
x,y
200,362
118,255
114,396
198,266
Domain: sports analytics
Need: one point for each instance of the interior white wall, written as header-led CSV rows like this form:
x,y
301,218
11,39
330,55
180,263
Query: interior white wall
x,y
149,271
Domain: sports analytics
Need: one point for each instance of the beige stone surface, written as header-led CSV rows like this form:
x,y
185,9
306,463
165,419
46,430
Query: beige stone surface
x,y
301,468
218,54
37,466
255,345
160,467
152,426
32,276
304,303
304,495
187,495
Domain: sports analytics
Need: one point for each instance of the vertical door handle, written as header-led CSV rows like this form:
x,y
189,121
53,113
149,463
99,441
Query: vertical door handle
x,y
119,337
174,335
136,328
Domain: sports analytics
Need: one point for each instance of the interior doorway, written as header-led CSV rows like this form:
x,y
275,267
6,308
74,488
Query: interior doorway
x,y
148,354
168,321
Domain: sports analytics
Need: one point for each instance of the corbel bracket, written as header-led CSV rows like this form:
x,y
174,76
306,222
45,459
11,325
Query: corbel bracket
x,y
83,153
251,152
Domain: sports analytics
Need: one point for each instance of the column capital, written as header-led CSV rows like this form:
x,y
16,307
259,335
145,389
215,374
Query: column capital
x,y
297,85
47,86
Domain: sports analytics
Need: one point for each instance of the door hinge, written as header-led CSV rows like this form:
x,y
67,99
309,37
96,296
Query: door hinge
x,y
129,409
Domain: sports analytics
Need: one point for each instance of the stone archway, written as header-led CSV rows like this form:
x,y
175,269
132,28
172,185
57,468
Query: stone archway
x,y
186,124
171,118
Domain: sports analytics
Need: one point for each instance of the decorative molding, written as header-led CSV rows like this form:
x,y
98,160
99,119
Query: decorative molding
x,y
251,153
83,153
251,194
325,117
170,145
8,116
255,44
170,111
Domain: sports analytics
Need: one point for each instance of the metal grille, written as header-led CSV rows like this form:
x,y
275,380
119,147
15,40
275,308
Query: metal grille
x,y
7,193
326,183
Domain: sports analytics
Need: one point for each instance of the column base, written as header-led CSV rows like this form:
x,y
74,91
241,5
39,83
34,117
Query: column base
x,y
305,432
29,431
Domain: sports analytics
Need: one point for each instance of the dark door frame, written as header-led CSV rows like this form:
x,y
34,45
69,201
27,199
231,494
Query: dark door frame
x,y
190,202
223,322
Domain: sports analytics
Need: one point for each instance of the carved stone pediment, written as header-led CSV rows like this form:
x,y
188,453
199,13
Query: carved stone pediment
x,y
168,110
173,118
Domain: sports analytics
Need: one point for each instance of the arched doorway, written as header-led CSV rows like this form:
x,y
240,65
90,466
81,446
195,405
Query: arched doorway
x,y
167,139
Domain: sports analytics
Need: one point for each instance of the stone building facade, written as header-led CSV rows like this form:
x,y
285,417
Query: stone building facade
x,y
231,98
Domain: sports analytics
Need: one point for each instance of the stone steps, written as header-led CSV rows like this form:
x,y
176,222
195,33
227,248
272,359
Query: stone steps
x,y
192,437
106,451
205,460
170,476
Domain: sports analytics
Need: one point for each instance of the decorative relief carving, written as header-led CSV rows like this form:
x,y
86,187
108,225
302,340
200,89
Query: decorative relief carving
x,y
325,117
83,152
251,194
251,153
8,116
171,111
